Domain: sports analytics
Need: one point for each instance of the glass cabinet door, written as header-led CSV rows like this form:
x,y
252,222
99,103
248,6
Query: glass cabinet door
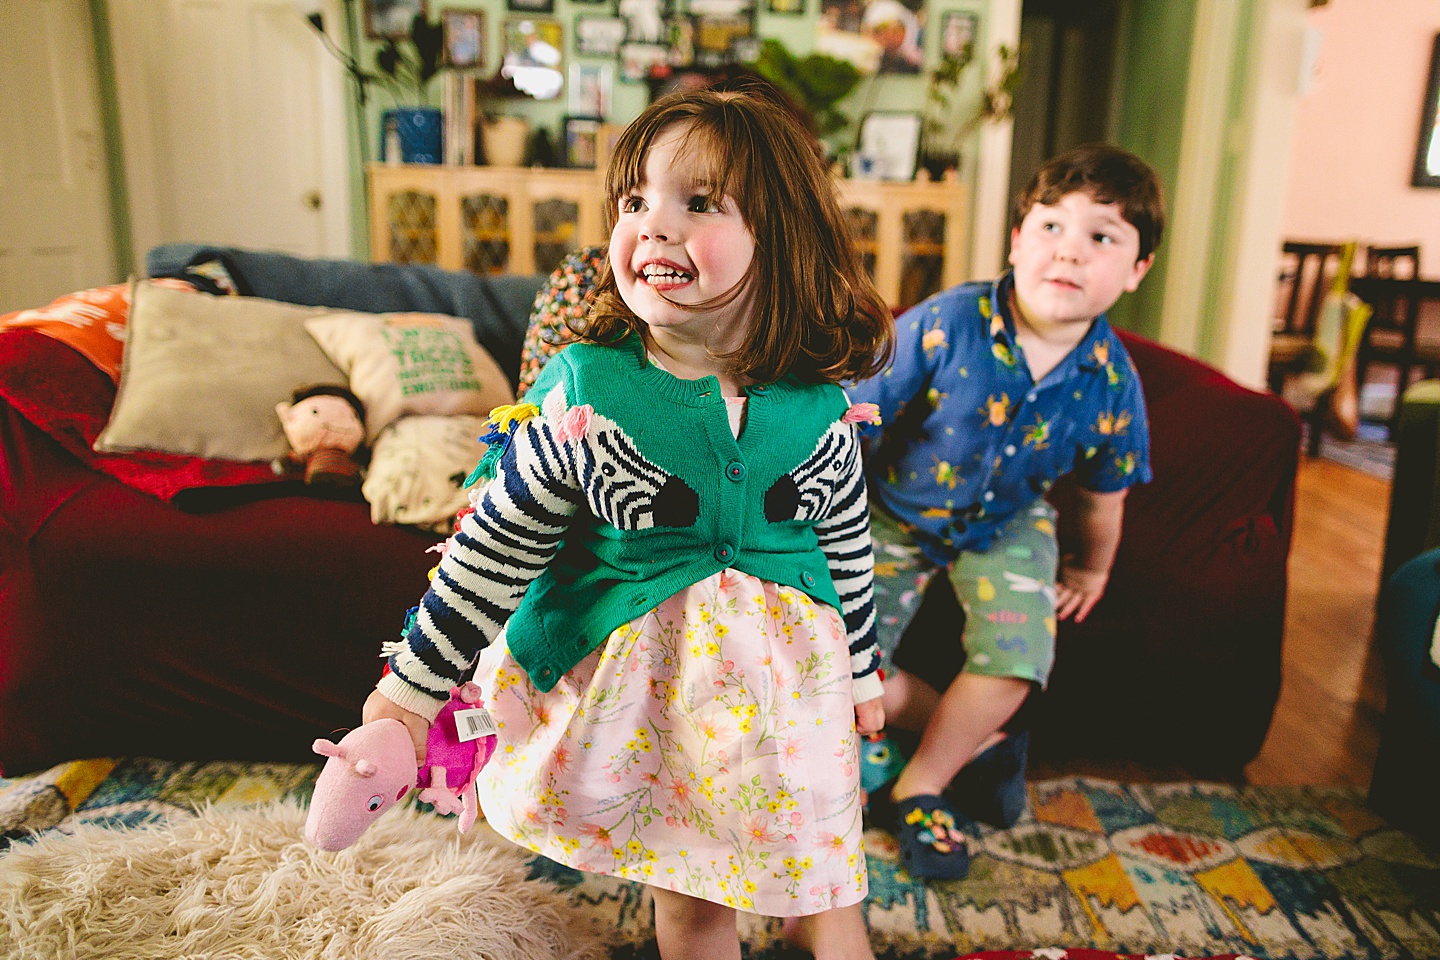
x,y
410,218
485,233
922,257
557,230
865,234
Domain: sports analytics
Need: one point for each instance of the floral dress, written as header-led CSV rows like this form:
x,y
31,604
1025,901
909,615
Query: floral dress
x,y
707,747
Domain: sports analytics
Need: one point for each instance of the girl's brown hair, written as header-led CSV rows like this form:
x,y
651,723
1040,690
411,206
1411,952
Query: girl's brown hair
x,y
816,313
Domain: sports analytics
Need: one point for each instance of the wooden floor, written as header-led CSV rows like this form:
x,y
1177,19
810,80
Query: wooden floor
x,y
1327,724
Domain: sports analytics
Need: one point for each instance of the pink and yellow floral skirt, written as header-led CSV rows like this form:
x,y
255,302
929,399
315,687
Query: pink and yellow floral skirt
x,y
707,747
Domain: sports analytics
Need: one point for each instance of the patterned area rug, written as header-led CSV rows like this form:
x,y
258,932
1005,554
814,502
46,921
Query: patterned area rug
x,y
1191,869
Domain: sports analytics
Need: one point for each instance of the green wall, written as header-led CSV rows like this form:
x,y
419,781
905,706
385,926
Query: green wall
x,y
1156,62
1224,242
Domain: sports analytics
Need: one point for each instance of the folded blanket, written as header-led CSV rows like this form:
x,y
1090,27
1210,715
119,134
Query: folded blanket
x,y
68,397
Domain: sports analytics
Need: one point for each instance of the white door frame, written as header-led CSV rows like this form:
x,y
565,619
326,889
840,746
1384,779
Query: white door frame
x,y
990,226
132,23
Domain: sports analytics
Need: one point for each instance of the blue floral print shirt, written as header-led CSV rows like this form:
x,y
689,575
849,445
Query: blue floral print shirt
x,y
969,438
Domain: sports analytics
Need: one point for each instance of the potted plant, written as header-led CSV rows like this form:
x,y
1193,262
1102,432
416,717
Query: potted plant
x,y
815,83
404,67
948,120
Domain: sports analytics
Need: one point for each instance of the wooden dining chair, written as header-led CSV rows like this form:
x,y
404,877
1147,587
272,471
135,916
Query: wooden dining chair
x,y
1306,272
1394,334
1396,263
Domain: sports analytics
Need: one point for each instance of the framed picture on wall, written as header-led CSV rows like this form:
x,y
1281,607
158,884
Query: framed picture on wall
x,y
598,36
1427,151
717,38
645,20
582,141
391,18
533,55
464,37
591,85
637,60
531,6
878,36
792,8
958,30
889,145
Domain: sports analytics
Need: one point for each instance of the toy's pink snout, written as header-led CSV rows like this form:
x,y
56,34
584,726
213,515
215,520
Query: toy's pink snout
x,y
370,769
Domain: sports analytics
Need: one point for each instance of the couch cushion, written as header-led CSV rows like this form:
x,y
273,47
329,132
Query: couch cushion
x,y
90,321
498,307
418,470
202,375
400,364
68,399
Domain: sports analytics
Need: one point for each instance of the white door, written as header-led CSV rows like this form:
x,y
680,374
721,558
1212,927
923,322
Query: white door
x,y
55,227
232,117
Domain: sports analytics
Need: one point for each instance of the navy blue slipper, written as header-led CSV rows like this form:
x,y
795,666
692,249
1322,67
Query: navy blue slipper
x,y
931,845
991,788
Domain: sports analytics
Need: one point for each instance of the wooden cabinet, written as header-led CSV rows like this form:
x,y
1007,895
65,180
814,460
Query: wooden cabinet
x,y
912,236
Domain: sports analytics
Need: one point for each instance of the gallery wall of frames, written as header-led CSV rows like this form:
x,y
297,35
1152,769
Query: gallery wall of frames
x,y
564,66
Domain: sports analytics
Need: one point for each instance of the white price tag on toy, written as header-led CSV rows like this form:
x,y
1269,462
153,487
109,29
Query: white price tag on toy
x,y
473,724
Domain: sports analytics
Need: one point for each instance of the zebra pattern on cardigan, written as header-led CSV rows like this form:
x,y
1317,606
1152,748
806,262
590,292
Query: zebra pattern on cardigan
x,y
542,481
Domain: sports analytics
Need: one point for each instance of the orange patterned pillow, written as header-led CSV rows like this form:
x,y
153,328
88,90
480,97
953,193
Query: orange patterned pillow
x,y
90,321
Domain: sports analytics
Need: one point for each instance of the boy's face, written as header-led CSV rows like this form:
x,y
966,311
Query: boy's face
x,y
1073,259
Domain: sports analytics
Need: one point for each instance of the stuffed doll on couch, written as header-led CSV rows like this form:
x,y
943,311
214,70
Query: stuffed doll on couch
x,y
325,425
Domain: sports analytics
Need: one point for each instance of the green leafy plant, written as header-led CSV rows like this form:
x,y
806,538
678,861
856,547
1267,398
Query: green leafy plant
x,y
948,120
815,82
404,66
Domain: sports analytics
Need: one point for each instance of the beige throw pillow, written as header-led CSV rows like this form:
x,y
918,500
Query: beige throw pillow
x,y
411,363
201,375
418,467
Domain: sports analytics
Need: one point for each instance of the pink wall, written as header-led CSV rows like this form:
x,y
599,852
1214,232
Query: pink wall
x,y
1356,129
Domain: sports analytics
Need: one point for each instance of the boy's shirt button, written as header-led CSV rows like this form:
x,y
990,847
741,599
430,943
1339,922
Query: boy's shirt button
x,y
989,494
1010,450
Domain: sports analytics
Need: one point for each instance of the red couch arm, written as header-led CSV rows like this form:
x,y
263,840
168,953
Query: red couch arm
x,y
1180,661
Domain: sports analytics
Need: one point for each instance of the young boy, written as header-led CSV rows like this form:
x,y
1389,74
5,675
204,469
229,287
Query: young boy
x,y
997,390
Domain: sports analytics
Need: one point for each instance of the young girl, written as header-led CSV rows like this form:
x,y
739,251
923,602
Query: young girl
x,y
674,538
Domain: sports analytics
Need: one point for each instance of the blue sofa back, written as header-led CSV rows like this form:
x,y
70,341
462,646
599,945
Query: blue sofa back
x,y
498,306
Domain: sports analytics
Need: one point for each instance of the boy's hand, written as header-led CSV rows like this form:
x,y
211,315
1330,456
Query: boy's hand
x,y
1077,590
379,707
870,716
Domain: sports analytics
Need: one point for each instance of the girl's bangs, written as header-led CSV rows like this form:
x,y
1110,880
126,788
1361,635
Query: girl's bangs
x,y
713,158
706,146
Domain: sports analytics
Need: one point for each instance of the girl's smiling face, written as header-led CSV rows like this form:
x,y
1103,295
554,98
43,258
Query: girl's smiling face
x,y
676,245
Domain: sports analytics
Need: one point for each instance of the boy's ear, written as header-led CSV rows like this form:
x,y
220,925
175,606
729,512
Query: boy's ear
x,y
1014,236
1137,273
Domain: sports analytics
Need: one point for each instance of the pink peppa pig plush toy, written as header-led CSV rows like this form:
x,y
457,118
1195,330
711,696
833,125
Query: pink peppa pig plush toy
x,y
373,767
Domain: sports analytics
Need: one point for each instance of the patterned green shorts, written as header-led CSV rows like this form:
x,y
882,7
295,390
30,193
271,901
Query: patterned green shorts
x,y
1007,592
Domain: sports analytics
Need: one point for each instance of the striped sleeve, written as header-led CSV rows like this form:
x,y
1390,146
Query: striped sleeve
x,y
515,531
845,539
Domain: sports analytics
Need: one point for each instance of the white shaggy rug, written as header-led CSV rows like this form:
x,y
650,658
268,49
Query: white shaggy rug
x,y
242,883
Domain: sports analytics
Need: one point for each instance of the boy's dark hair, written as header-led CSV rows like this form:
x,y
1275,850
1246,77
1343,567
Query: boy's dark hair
x,y
1108,175
816,313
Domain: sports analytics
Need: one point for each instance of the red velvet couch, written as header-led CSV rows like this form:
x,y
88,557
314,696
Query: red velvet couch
x,y
244,624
